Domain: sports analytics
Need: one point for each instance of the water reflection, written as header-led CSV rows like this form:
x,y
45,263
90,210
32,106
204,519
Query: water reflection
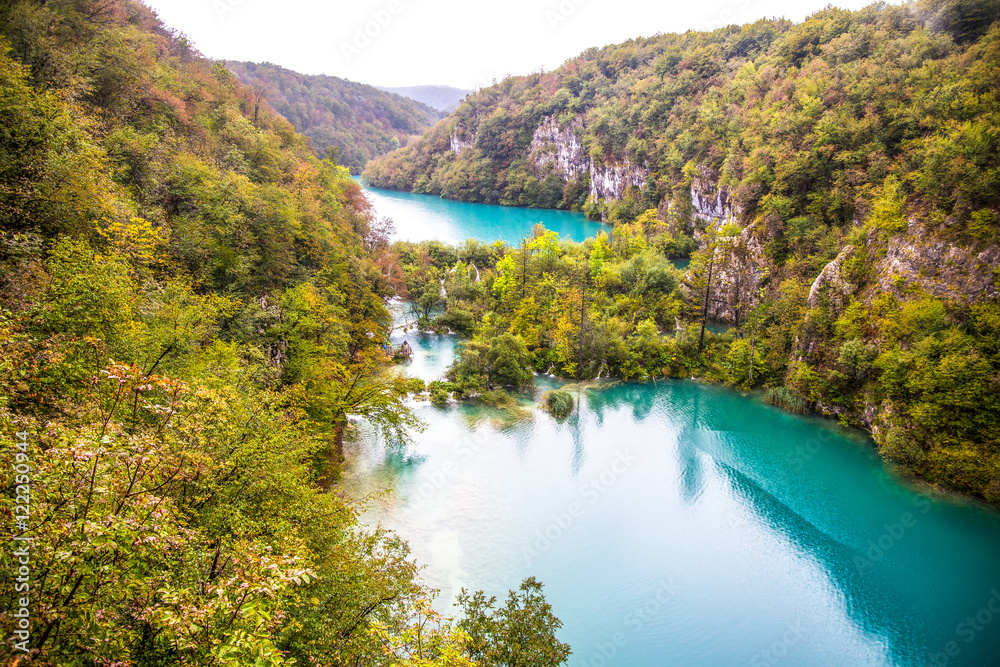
x,y
767,521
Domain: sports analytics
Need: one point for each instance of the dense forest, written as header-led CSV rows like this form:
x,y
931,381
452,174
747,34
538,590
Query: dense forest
x,y
349,121
191,306
833,182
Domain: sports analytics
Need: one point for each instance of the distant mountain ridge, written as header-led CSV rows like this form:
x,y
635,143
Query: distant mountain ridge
x,y
442,98
356,121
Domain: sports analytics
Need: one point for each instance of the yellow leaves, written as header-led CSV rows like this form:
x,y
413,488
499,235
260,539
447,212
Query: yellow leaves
x,y
506,279
55,172
600,253
888,209
546,242
630,238
305,181
524,322
137,240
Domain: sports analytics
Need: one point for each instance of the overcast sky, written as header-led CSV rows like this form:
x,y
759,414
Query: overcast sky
x,y
462,43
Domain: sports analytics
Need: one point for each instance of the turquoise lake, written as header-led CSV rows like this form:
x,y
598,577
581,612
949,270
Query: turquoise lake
x,y
675,523
425,217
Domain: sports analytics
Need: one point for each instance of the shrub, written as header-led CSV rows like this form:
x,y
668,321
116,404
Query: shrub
x,y
458,320
785,398
415,385
497,398
900,446
558,403
440,392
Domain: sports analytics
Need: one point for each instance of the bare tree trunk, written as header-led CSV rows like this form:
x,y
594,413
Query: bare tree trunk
x,y
583,301
708,292
259,93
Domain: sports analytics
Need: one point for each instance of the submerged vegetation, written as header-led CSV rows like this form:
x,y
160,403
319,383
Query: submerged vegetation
x,y
191,306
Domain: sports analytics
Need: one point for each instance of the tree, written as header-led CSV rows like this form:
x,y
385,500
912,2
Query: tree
x,y
363,388
499,361
509,362
52,175
703,264
519,634
426,291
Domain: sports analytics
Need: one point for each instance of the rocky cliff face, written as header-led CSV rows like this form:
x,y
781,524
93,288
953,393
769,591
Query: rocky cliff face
x,y
830,283
554,148
709,199
610,181
916,257
943,269
832,291
460,141
739,272
737,276
559,149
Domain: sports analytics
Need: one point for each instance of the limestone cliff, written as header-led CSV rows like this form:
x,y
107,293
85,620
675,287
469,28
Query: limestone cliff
x,y
831,284
739,272
460,140
710,201
941,268
559,149
610,181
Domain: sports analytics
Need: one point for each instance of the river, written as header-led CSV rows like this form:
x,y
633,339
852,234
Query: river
x,y
675,523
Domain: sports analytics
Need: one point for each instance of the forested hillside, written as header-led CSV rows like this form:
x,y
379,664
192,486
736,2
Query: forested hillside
x,y
837,184
352,122
191,307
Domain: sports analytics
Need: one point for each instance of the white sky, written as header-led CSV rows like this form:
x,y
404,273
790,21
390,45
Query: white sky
x,y
461,43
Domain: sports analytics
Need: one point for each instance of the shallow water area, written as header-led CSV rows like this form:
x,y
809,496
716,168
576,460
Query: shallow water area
x,y
679,523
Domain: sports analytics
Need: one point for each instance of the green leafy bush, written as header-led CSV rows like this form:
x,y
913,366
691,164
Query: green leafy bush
x,y
558,403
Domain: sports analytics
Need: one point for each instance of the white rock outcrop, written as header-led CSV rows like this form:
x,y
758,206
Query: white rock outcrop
x,y
553,147
560,149
610,181
458,142
711,201
831,283
942,268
